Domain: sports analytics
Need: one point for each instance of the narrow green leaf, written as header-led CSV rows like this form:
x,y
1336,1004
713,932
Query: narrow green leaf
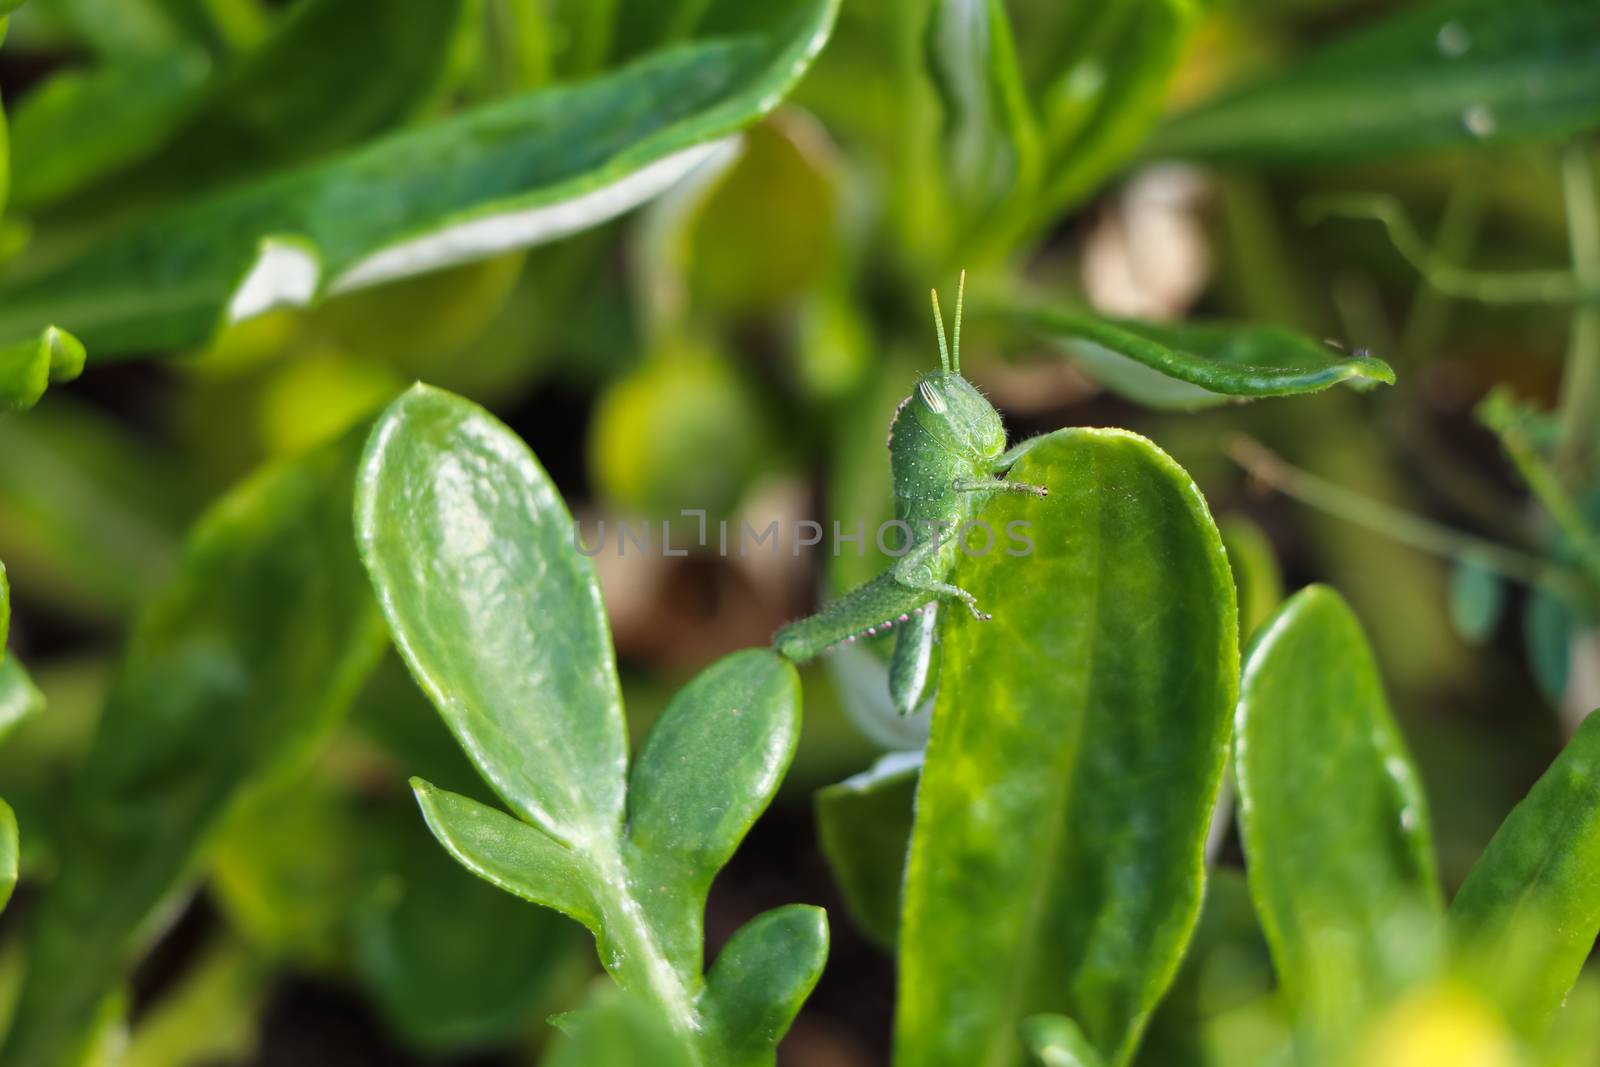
x,y
28,367
1334,820
761,977
1477,599
83,124
233,672
8,853
1196,365
507,175
711,764
1057,1041
496,613
864,827
1527,916
1431,76
510,854
1077,749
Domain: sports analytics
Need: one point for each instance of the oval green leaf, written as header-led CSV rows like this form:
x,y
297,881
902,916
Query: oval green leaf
x,y
1194,365
1077,748
29,366
510,174
1431,76
498,616
1334,821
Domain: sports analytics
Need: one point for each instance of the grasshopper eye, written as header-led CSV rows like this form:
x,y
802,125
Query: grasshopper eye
x,y
929,397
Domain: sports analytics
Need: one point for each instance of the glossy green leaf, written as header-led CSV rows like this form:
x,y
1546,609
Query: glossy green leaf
x,y
499,617
761,977
1110,667
1430,76
1194,365
864,828
1334,820
82,124
1527,916
29,366
1057,1041
236,670
455,518
507,175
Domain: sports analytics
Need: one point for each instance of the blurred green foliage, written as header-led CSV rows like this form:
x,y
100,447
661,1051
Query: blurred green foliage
x,y
1338,258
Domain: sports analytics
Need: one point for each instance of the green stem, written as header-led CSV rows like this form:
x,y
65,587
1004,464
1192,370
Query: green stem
x,y
1453,241
1483,287
1422,534
1579,439
1547,488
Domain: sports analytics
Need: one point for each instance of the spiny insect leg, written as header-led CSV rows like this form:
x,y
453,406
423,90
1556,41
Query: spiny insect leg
x,y
990,485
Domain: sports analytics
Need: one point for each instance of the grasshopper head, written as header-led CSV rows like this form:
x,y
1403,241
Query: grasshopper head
x,y
948,406
958,416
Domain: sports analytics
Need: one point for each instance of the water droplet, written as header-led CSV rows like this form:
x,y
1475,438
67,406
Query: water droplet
x,y
1453,40
1479,121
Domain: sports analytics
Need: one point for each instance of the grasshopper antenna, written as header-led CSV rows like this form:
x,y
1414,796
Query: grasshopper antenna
x,y
955,347
938,322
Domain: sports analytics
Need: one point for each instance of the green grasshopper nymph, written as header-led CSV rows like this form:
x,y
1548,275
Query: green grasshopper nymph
x,y
947,452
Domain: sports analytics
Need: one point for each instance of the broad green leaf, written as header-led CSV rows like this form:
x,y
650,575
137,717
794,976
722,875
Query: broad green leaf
x,y
507,175
498,615
1057,1041
761,977
864,828
991,145
29,366
82,124
232,673
1196,365
1078,745
1527,915
1430,76
1333,816
494,610
698,785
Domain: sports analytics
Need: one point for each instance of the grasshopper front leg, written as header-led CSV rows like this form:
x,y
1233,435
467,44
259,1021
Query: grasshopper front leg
x,y
919,569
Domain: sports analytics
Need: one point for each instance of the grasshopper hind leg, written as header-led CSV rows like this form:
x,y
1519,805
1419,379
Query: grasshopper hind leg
x,y
912,667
